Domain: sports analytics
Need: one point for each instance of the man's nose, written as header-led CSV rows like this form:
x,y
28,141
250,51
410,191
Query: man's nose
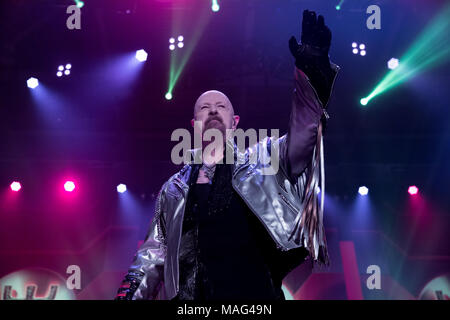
x,y
213,110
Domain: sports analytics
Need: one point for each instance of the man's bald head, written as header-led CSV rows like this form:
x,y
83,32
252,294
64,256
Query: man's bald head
x,y
212,96
215,110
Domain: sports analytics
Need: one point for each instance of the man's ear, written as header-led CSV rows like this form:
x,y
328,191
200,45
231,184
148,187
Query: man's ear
x,y
235,121
192,123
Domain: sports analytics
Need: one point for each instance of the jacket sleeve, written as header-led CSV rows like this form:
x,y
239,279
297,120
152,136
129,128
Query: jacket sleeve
x,y
307,114
301,156
145,274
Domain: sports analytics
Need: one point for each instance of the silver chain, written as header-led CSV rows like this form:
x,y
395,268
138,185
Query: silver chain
x,y
209,171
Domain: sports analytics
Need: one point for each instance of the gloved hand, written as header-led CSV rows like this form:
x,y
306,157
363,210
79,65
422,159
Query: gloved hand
x,y
311,56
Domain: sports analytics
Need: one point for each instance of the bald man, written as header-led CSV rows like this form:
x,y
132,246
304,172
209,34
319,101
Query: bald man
x,y
226,231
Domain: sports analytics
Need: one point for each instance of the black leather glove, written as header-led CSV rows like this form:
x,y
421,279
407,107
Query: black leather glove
x,y
311,56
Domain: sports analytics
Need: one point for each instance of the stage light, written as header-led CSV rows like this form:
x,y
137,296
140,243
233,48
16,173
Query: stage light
x,y
16,186
392,63
79,3
338,7
63,70
359,49
180,43
178,62
364,101
430,49
141,55
363,190
412,190
168,96
215,6
121,188
69,186
32,83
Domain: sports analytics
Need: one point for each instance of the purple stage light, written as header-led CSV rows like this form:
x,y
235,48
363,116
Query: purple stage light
x,y
32,83
121,188
141,55
363,190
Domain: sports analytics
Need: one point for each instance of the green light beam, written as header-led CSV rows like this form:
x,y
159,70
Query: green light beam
x,y
339,6
431,49
175,71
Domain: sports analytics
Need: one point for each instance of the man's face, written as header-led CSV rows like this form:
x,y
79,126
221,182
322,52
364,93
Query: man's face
x,y
214,110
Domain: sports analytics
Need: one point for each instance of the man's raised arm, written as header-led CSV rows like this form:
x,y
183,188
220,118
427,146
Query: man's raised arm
x,y
314,79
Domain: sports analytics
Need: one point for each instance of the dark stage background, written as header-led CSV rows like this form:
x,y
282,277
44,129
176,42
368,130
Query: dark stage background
x,y
108,122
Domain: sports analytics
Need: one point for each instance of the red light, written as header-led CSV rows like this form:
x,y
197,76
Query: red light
x,y
412,190
69,186
15,186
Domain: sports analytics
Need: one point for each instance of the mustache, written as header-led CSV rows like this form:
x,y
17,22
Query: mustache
x,y
216,117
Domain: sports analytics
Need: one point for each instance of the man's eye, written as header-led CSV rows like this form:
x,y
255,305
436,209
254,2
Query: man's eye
x,y
221,106
204,107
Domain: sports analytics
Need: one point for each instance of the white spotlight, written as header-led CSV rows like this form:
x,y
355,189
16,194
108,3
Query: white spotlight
x,y
121,188
355,51
67,72
172,47
362,52
141,55
180,45
32,83
172,40
354,44
362,46
180,38
392,63
68,66
61,68
215,7
363,190
59,74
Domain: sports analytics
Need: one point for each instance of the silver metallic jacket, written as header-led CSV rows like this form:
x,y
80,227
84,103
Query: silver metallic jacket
x,y
286,203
